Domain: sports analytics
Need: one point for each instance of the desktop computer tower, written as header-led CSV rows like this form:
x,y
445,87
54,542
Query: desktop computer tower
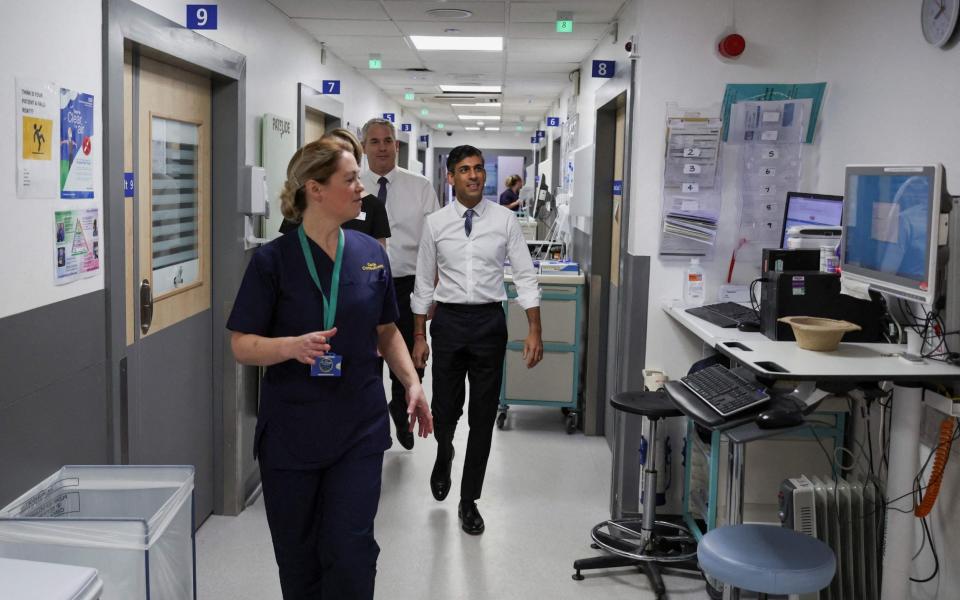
x,y
815,294
781,259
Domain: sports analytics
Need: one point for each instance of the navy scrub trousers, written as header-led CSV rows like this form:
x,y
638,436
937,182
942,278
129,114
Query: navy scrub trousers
x,y
320,440
469,341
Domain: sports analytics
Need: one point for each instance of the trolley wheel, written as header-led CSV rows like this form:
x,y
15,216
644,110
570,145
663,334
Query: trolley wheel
x,y
501,419
571,423
713,592
577,576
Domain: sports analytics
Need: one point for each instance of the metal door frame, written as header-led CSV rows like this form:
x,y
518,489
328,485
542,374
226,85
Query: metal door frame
x,y
308,97
125,22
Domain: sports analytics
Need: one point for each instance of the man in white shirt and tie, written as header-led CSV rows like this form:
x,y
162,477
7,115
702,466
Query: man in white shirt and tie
x,y
464,245
408,198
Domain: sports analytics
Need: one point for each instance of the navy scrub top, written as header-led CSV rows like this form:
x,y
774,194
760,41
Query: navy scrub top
x,y
314,420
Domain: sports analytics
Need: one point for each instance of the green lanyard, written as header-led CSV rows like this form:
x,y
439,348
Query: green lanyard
x,y
329,307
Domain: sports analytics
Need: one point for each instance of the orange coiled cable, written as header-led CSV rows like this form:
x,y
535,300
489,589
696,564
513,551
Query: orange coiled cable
x,y
939,464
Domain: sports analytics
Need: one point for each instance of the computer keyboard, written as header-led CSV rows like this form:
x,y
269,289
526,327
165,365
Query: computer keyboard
x,y
725,314
724,391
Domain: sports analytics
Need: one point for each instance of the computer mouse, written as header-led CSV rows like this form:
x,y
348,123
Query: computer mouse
x,y
777,418
748,326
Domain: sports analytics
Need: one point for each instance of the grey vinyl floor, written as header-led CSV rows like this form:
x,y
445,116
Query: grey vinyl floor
x,y
543,492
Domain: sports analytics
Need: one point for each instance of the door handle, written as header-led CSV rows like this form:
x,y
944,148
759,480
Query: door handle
x,y
146,306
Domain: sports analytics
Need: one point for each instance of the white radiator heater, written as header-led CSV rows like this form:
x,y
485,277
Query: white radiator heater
x,y
848,516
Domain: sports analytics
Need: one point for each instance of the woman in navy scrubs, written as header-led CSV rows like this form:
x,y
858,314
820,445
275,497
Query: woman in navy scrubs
x,y
314,307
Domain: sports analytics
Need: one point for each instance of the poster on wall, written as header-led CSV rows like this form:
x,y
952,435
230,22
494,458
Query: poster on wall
x,y
278,143
76,144
36,112
76,247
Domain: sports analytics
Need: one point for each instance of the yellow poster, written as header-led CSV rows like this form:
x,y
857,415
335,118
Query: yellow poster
x,y
37,138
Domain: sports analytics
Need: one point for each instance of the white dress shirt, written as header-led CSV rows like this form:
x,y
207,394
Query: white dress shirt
x,y
470,269
410,198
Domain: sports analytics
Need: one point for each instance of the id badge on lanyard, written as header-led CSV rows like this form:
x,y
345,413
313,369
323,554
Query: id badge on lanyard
x,y
329,364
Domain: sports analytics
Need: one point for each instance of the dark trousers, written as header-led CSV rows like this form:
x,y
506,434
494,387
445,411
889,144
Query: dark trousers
x,y
404,287
468,342
321,522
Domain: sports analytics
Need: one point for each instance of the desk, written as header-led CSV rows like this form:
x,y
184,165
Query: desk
x,y
851,361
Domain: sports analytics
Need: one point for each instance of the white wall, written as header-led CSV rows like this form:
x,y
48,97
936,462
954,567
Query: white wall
x,y
67,53
894,99
481,140
279,56
679,64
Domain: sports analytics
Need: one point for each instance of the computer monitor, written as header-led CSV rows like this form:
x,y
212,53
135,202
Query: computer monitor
x,y
810,209
892,217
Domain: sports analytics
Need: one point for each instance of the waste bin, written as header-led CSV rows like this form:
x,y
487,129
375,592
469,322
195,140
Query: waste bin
x,y
30,580
134,524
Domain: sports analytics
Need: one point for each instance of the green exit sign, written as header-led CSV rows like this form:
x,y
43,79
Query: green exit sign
x,y
375,63
565,26
409,96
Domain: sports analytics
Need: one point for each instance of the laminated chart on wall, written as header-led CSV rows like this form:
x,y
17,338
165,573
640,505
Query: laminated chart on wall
x,y
691,186
76,244
568,142
36,109
76,144
770,135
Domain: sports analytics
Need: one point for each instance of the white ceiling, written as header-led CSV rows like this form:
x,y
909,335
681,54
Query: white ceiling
x,y
534,67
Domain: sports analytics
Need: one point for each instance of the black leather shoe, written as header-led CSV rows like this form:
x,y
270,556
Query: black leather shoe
x,y
470,519
440,478
402,422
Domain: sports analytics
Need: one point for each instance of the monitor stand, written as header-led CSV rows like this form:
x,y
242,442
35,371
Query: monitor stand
x,y
914,353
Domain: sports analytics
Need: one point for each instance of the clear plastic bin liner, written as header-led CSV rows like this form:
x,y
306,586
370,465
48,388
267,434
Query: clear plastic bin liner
x,y
132,523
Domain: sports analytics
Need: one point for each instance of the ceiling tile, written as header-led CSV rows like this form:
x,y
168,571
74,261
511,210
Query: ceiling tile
x,y
361,10
521,68
532,50
322,28
467,28
413,10
389,48
548,30
595,11
462,68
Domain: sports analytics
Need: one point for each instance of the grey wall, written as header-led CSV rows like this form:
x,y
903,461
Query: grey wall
x,y
53,391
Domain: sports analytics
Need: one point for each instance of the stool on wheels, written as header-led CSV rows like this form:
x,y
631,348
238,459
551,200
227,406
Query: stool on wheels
x,y
645,543
767,559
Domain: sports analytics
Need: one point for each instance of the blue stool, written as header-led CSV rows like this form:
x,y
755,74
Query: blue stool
x,y
766,559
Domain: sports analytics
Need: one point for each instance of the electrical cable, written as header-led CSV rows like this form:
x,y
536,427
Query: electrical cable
x,y
947,435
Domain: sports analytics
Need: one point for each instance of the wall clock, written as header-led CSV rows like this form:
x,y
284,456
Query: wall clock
x,y
938,20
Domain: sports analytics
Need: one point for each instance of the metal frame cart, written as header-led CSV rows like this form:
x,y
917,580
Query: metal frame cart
x,y
701,497
556,380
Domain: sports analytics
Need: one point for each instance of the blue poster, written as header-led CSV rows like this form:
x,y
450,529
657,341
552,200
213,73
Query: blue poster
x,y
76,144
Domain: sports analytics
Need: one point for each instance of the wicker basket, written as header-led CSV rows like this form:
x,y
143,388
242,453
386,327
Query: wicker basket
x,y
816,333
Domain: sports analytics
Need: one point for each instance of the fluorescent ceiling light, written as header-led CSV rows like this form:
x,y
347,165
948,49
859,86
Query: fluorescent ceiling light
x,y
479,117
491,104
492,129
456,42
467,89
472,128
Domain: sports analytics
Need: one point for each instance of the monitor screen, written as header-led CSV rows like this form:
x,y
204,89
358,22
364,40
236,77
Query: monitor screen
x,y
811,209
889,232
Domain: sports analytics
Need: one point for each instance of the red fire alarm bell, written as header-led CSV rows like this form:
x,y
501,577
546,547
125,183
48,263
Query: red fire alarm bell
x,y
732,46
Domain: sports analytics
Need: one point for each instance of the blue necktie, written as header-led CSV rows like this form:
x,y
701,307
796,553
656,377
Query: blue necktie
x,y
382,194
468,221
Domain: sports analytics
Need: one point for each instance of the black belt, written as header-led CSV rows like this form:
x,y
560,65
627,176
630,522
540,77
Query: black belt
x,y
467,307
405,278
